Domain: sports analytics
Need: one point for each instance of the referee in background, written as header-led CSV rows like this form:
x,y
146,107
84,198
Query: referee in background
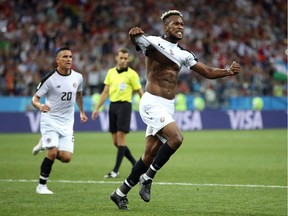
x,y
120,84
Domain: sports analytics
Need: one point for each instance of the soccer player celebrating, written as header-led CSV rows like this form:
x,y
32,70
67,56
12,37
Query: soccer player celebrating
x,y
164,59
61,88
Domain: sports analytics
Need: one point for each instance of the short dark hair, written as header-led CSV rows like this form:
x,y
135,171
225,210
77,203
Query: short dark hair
x,y
169,13
62,49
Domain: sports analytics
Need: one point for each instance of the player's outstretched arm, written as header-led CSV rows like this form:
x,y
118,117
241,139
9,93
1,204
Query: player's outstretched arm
x,y
215,73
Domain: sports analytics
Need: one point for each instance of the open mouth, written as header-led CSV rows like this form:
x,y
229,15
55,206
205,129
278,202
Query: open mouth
x,y
179,34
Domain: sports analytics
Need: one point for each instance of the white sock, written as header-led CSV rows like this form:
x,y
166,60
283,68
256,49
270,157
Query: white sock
x,y
146,177
119,193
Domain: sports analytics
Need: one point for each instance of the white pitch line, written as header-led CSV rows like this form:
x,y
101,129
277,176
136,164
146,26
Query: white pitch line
x,y
157,183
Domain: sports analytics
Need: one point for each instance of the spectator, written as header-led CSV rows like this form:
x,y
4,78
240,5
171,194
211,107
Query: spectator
x,y
32,30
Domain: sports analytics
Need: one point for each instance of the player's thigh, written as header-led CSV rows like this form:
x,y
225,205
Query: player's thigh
x,y
50,139
66,143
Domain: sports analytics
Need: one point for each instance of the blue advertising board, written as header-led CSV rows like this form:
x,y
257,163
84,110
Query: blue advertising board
x,y
189,120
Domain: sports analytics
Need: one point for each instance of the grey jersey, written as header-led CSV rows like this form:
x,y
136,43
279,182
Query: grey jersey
x,y
60,95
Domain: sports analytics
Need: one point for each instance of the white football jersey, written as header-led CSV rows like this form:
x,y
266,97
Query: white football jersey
x,y
60,95
172,51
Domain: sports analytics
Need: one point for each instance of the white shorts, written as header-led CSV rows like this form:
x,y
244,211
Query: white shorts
x,y
156,112
51,138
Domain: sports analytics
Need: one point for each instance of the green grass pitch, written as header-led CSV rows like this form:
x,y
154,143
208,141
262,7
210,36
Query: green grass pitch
x,y
217,172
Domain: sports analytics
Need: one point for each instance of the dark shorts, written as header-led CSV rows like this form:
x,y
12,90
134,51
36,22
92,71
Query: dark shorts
x,y
119,117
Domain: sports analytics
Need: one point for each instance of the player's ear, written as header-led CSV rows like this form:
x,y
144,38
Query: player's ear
x,y
165,29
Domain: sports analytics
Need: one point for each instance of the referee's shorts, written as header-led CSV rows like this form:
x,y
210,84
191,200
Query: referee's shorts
x,y
120,116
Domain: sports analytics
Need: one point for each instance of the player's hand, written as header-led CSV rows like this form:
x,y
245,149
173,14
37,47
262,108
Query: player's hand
x,y
83,118
95,114
135,31
234,68
44,108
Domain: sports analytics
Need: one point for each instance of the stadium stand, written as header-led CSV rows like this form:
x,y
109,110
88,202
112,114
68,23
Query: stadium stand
x,y
252,32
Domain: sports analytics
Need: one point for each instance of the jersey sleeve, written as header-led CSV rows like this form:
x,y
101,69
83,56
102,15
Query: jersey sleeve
x,y
107,78
80,85
135,81
43,86
42,89
190,60
142,43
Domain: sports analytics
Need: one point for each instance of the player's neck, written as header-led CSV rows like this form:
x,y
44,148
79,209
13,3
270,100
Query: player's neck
x,y
64,71
120,70
170,39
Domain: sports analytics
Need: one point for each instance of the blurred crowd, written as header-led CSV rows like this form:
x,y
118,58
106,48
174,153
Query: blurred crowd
x,y
251,32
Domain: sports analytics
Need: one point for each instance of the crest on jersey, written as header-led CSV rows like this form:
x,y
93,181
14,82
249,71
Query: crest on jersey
x,y
162,119
74,85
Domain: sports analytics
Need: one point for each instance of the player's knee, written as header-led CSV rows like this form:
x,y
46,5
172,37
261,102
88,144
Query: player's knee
x,y
52,153
65,159
176,141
